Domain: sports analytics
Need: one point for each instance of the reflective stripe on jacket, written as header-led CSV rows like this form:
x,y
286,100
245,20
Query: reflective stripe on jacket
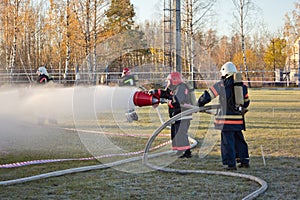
x,y
228,117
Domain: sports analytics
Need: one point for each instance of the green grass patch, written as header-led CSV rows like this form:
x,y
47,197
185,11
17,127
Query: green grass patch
x,y
273,136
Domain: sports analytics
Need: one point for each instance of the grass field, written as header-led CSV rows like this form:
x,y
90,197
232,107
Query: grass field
x,y
273,136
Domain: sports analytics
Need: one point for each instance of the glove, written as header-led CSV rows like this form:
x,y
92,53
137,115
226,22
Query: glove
x,y
244,111
163,100
200,104
151,92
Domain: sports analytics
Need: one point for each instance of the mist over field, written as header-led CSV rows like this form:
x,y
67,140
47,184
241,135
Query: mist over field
x,y
28,112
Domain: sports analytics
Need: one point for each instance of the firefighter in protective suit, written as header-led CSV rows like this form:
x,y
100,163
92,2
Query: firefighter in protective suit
x,y
128,79
43,76
230,116
177,94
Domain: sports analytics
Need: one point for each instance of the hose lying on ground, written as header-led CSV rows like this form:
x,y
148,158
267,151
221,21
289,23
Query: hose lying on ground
x,y
195,109
145,161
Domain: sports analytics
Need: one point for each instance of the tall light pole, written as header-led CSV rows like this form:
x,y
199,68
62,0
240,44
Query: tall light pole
x,y
178,37
299,63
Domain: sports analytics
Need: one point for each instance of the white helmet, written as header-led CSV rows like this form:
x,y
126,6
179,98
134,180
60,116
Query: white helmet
x,y
228,68
42,70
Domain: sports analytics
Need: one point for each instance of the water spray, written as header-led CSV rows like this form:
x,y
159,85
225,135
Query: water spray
x,y
144,99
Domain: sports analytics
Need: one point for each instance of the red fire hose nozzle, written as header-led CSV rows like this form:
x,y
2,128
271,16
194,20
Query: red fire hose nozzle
x,y
142,98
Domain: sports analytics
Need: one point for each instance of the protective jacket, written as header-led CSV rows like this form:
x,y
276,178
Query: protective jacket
x,y
128,80
229,116
178,99
42,79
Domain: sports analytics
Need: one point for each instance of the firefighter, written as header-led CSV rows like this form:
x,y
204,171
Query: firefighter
x,y
230,116
177,94
128,79
43,76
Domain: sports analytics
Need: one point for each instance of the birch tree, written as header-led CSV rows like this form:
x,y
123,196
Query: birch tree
x,y
7,31
10,20
291,34
243,7
292,24
196,11
31,31
88,14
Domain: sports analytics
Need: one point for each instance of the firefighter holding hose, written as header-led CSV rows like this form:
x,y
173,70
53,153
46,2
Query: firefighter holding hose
x,y
128,79
233,99
178,98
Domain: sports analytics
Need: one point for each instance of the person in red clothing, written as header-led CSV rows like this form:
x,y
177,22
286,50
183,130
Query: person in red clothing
x,y
177,94
230,117
43,76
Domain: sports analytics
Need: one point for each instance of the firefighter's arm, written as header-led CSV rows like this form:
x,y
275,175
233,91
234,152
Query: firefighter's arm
x,y
209,94
160,93
204,99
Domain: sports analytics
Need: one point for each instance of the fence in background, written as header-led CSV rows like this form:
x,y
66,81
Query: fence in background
x,y
200,80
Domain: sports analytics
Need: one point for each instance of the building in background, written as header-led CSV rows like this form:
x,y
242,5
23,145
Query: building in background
x,y
291,74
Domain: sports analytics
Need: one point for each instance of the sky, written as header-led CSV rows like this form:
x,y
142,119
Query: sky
x,y
271,12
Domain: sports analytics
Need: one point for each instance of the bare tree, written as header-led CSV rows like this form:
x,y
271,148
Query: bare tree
x,y
68,46
88,15
243,8
196,11
15,16
292,24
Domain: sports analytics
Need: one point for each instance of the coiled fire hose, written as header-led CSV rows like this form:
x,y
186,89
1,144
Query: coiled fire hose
x,y
196,109
145,157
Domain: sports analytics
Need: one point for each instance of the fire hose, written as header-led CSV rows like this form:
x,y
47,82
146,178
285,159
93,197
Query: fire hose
x,y
196,109
145,157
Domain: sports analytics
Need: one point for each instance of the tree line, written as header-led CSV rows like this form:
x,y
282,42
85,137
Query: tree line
x,y
90,36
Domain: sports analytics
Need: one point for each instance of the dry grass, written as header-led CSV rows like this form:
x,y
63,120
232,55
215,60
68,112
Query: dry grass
x,y
273,131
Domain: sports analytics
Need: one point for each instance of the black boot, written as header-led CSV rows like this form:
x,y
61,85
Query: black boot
x,y
187,154
244,165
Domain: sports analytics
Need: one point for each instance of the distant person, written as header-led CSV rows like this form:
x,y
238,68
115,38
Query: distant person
x,y
43,76
230,117
127,79
178,95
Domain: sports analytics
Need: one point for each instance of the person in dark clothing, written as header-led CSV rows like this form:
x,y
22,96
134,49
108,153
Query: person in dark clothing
x,y
177,94
43,76
230,116
128,79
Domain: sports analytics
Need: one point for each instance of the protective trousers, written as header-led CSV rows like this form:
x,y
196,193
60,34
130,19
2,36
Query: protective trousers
x,y
179,135
233,146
